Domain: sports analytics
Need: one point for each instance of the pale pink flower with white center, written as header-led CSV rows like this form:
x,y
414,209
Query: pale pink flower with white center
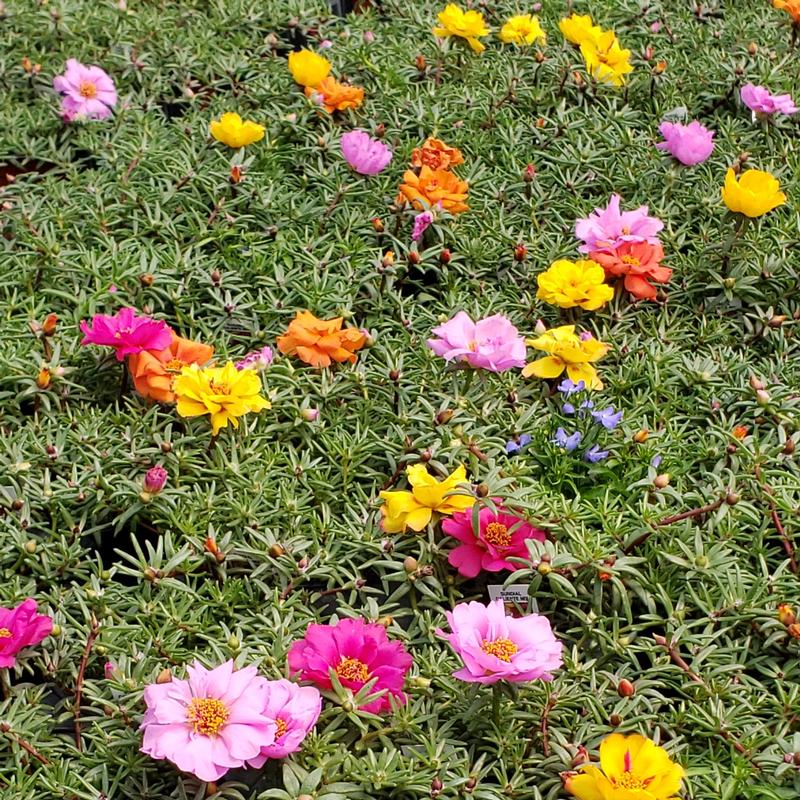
x,y
367,156
257,359
87,92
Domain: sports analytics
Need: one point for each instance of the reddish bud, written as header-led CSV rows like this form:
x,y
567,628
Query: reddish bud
x,y
520,251
445,256
49,325
236,174
530,172
625,688
44,378
377,224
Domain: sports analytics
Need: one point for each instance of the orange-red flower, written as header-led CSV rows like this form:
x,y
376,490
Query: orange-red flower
x,y
639,263
434,187
335,96
319,341
154,371
791,7
740,431
435,154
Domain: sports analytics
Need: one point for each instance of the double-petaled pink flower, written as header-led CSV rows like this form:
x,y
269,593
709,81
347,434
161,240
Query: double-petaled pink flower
x,y
763,103
492,343
607,228
86,92
489,543
365,155
495,647
21,627
127,332
690,144
210,723
257,359
357,652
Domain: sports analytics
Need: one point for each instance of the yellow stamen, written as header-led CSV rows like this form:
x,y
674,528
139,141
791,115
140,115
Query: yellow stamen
x,y
5,633
500,648
282,728
88,90
629,781
632,260
497,534
174,365
351,669
207,715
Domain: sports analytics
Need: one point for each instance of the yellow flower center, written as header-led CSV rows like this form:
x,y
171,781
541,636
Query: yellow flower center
x,y
5,633
500,648
628,781
220,388
351,669
632,260
174,365
207,715
497,534
282,728
87,89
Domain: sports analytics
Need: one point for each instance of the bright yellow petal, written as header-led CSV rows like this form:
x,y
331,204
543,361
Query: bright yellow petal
x,y
586,373
547,367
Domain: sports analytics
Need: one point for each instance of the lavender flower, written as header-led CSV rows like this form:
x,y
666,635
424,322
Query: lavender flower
x,y
517,444
608,418
595,454
568,387
568,441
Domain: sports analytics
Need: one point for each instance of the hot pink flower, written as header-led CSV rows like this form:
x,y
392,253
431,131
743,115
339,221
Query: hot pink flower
x,y
210,723
495,647
126,332
421,223
87,92
365,155
257,359
492,343
21,627
607,228
357,652
295,710
690,144
155,479
499,537
762,102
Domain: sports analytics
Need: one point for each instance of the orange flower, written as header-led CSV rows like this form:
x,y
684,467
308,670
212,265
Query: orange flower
x,y
154,371
431,188
335,96
739,432
791,7
639,263
319,341
436,155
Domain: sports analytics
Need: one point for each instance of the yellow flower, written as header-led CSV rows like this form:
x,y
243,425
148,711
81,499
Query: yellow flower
x,y
522,29
578,28
223,392
467,25
567,351
232,131
605,59
308,68
631,768
414,509
754,194
581,283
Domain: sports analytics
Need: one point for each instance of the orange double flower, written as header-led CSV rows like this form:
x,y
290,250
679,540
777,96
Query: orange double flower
x,y
318,342
154,371
433,184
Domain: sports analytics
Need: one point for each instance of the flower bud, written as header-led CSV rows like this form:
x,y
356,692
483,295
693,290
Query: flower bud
x,y
414,257
752,48
786,614
368,36
44,379
539,328
731,498
615,720
544,568
388,258
155,479
762,397
147,279
796,759
56,630
625,688
377,225
310,414
49,324
380,130
482,490
166,447
755,383
436,787
236,174
216,277
520,251
410,564
394,375
277,550
233,643
385,622
788,447
794,630
640,437
420,63
529,173
661,481
444,416
165,676
445,256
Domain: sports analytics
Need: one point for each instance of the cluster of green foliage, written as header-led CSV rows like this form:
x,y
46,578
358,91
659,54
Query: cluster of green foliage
x,y
684,609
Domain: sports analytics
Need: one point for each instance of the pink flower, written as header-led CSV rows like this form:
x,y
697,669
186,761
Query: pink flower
x,y
607,228
690,144
421,223
358,652
21,627
367,156
126,332
155,479
495,647
210,723
499,537
257,359
295,710
492,343
369,37
655,27
87,92
762,102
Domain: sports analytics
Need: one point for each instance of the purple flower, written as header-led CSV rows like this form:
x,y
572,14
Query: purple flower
x,y
568,409
762,102
606,228
421,223
257,359
568,442
567,387
655,462
595,454
608,418
690,144
86,92
515,445
367,156
492,343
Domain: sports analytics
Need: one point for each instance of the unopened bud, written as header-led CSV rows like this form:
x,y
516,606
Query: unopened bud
x,y
777,320
414,257
794,630
640,437
380,130
731,498
44,378
410,564
165,676
385,622
56,630
444,416
216,277
625,688
752,48
762,397
436,787
310,414
661,481
420,63
539,328
529,173
756,383
236,174
233,643
615,720
30,547
166,447
445,256
377,225
482,490
151,574
394,375
388,258
277,550
544,568
520,251
155,479
49,325
788,447
786,614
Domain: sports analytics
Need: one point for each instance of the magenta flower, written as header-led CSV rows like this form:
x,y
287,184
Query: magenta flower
x,y
492,343
421,223
210,723
126,332
495,647
690,144
295,710
367,156
499,537
257,359
21,627
607,228
155,479
86,92
358,652
763,103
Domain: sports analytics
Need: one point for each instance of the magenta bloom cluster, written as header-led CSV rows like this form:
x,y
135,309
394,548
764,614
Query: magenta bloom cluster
x,y
87,92
690,144
365,155
21,627
126,332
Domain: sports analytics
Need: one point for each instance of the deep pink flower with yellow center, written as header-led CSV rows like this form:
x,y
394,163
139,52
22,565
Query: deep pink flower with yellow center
x,y
126,332
21,627
88,92
495,647
357,652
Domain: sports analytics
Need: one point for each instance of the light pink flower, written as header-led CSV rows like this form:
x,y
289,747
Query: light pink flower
x,y
492,343
495,647
606,228
499,537
295,710
690,144
86,92
127,332
421,223
367,156
325,44
210,723
369,37
762,102
257,359
358,652
21,627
